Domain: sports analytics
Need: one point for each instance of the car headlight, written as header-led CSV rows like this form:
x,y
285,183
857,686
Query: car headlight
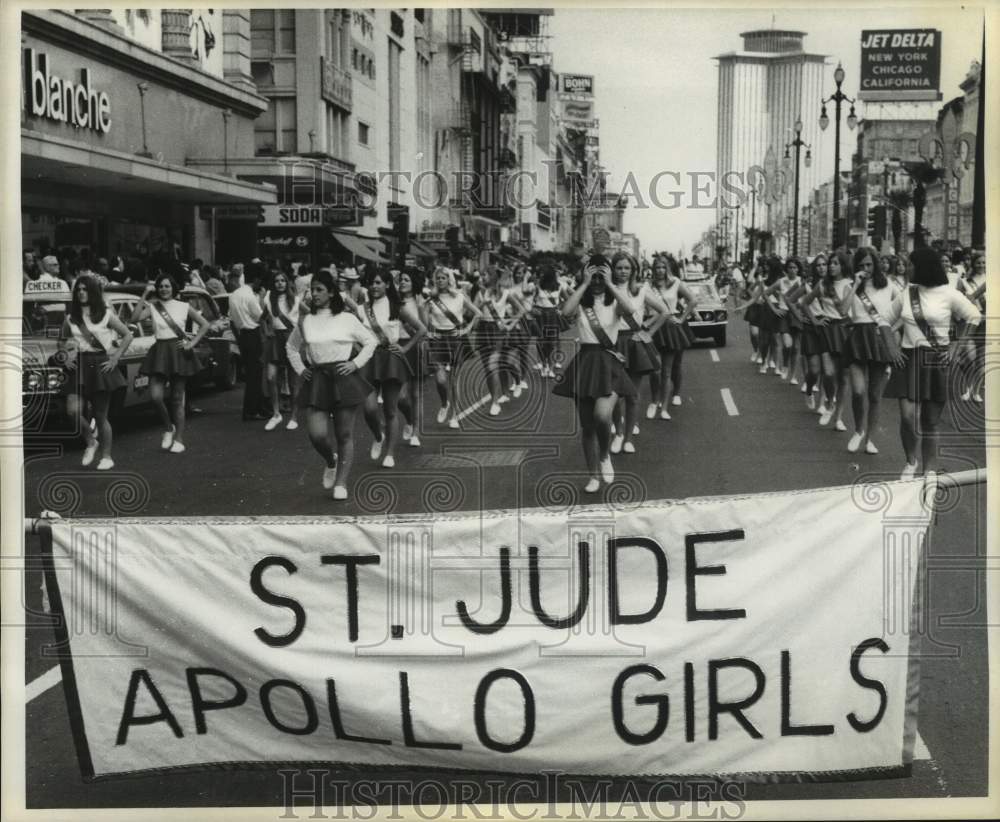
x,y
720,316
53,379
32,381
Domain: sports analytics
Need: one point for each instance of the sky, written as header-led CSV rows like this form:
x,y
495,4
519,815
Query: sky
x,y
655,85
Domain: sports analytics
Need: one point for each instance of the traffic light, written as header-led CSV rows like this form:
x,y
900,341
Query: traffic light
x,y
871,222
880,222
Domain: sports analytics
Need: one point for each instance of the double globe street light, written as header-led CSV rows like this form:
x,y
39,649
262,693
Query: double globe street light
x,y
837,98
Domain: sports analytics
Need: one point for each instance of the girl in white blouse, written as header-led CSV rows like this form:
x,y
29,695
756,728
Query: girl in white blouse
x,y
93,376
502,310
929,307
674,335
411,286
596,376
331,384
547,299
281,313
385,315
172,358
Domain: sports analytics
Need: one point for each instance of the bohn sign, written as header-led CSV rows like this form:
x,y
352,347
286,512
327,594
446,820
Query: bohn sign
x,y
53,97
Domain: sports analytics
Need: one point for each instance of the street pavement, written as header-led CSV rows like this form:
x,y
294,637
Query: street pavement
x,y
736,432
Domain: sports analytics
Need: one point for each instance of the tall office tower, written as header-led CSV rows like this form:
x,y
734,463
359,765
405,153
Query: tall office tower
x,y
763,89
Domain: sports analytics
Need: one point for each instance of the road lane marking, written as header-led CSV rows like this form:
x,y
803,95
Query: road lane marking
x,y
713,354
920,749
461,415
727,399
38,686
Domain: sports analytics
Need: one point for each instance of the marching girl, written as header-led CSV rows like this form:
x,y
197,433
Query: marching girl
x,y
973,287
764,307
927,309
828,303
748,290
93,375
282,310
673,337
384,314
635,344
502,310
899,274
787,327
172,359
596,377
444,317
331,382
811,339
874,303
411,295
525,330
547,299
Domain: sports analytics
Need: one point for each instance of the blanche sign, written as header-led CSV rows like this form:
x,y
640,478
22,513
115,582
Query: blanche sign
x,y
55,98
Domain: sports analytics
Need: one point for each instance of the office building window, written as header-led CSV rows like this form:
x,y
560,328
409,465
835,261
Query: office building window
x,y
363,130
275,131
272,31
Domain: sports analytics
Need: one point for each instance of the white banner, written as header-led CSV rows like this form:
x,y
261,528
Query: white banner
x,y
766,636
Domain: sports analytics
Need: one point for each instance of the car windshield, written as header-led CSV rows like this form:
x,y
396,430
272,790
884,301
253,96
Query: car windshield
x,y
43,318
703,292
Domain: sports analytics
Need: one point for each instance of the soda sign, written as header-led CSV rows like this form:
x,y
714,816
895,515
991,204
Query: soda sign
x,y
272,215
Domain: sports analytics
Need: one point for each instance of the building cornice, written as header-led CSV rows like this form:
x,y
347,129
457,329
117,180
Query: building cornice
x,y
81,36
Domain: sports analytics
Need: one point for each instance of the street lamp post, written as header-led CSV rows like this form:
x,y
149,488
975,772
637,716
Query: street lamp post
x,y
798,145
753,223
852,120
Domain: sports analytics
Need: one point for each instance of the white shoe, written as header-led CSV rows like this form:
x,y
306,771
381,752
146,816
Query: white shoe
x,y
376,450
292,424
407,432
414,441
495,409
753,357
854,443
651,411
516,391
977,397
106,464
442,414
592,486
762,369
380,401
839,425
503,398
614,429
628,448
870,448
664,413
794,381
89,453
825,415
616,444
167,439
340,492
967,396
538,366
822,409
909,472
811,401
635,430
329,476
389,462
607,470
805,388
523,385
177,447
675,400
273,423
453,422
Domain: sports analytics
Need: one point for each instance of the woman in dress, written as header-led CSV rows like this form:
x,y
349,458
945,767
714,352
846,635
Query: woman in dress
x,y
874,303
635,343
281,314
385,315
100,339
173,358
411,295
448,332
319,349
928,309
547,298
673,336
502,311
596,376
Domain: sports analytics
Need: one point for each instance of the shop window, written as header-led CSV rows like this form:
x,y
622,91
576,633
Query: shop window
x,y
363,130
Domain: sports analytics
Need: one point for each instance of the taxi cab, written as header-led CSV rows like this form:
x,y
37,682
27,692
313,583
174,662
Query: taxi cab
x,y
44,306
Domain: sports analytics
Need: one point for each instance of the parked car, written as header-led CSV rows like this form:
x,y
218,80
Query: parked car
x,y
43,313
711,318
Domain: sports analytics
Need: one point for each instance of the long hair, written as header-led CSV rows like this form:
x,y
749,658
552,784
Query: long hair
x,y
417,280
775,270
879,279
547,278
325,279
814,278
790,261
452,283
632,264
587,300
844,261
928,270
95,301
275,297
173,284
390,290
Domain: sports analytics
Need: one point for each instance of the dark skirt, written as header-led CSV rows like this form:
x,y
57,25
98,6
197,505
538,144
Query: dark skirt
x,y
753,314
412,355
923,377
387,366
770,320
637,356
491,338
789,324
594,372
673,337
87,379
548,323
834,335
274,348
521,334
865,344
326,390
167,359
446,350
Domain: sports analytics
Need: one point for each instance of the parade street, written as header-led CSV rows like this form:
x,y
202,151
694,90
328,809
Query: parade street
x,y
737,432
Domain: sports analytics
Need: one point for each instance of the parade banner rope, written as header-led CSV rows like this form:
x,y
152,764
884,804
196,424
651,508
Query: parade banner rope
x,y
767,637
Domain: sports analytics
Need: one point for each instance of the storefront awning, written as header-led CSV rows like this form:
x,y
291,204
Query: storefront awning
x,y
359,246
57,162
